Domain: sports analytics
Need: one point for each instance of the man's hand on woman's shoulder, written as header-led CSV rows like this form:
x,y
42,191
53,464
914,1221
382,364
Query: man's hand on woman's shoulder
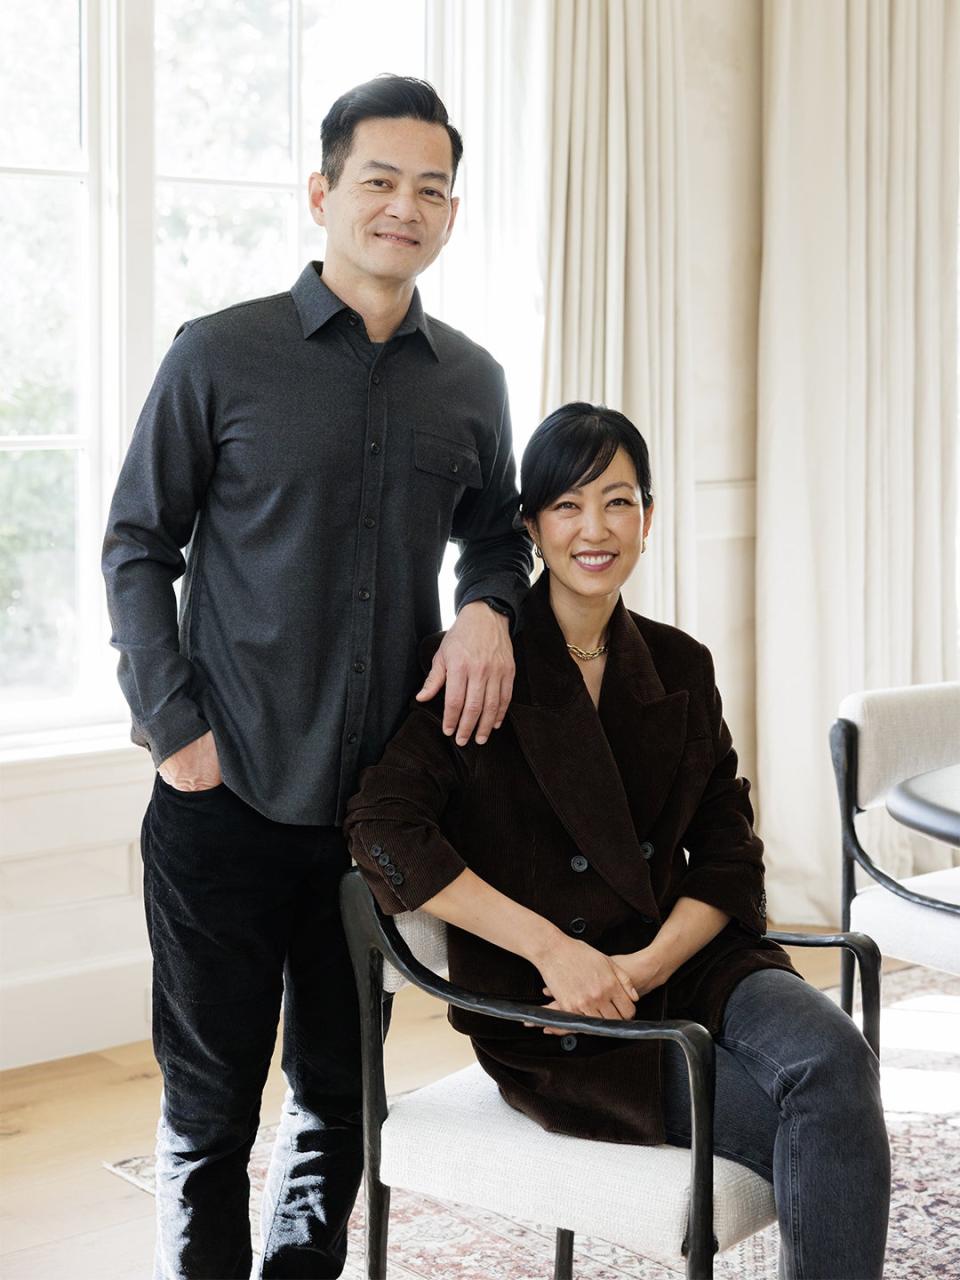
x,y
475,661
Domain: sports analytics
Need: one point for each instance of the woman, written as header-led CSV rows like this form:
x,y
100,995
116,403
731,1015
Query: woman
x,y
556,853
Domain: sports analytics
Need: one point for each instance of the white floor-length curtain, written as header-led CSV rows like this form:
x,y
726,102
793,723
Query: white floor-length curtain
x,y
857,403
581,180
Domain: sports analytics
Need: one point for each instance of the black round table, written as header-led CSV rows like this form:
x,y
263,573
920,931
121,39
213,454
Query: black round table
x,y
930,803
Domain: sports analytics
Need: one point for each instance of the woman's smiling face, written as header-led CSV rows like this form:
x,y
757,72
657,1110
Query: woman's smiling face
x,y
592,535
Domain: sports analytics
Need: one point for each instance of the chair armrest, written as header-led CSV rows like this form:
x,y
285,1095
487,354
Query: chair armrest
x,y
867,955
398,953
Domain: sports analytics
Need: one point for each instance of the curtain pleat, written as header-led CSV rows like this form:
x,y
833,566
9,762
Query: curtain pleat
x,y
616,300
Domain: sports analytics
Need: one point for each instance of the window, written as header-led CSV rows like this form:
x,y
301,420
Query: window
x,y
48,452
153,168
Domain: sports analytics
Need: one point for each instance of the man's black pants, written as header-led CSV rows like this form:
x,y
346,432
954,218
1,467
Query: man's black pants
x,y
242,911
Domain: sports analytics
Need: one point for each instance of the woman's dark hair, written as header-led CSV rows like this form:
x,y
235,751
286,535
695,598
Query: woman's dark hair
x,y
572,446
385,96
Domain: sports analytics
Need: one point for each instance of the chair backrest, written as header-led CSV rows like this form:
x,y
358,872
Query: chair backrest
x,y
900,733
426,936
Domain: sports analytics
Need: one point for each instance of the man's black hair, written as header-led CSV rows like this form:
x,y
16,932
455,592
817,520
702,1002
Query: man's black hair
x,y
385,96
571,447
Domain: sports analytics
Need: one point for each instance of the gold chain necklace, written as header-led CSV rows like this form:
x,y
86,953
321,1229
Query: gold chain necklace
x,y
586,655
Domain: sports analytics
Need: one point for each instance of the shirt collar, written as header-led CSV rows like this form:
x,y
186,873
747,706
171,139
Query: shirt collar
x,y
316,304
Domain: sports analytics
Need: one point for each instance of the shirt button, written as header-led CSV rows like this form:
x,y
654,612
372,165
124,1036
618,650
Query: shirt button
x,y
359,668
352,739
353,319
363,594
454,467
647,850
382,858
568,1043
579,863
397,878
376,379
374,446
369,522
579,925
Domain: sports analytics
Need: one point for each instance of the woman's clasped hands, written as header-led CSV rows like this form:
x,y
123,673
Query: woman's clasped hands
x,y
580,979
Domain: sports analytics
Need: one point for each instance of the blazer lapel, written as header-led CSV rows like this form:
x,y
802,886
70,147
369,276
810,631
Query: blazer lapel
x,y
582,760
645,726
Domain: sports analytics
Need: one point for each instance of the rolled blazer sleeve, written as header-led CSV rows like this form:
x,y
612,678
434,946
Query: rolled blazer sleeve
x,y
725,866
393,822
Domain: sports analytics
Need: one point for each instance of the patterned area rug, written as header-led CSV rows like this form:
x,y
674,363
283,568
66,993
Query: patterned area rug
x,y
920,1029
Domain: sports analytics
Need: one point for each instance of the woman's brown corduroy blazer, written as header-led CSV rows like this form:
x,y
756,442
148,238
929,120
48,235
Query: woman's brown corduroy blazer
x,y
583,815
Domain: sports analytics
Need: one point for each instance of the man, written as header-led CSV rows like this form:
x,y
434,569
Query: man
x,y
316,450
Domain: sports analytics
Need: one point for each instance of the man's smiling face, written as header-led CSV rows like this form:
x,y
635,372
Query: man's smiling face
x,y
392,211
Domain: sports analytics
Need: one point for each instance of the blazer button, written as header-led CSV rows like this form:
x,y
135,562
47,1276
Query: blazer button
x,y
389,869
579,863
376,850
568,1043
383,858
646,919
396,879
579,925
647,850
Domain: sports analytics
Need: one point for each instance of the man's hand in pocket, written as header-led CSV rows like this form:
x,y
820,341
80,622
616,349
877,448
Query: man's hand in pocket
x,y
195,767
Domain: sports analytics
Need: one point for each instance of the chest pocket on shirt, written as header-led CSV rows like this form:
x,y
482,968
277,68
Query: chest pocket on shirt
x,y
443,470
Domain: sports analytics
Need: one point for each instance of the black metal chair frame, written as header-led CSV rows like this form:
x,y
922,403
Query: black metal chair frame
x,y
373,937
844,742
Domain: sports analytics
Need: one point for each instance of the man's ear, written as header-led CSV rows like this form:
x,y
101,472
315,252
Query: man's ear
x,y
317,188
454,206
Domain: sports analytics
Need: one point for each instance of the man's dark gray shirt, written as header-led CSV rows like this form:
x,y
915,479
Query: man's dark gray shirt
x,y
314,480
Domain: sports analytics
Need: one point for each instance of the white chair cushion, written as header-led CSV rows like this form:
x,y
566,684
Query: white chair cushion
x,y
458,1139
902,732
907,931
426,936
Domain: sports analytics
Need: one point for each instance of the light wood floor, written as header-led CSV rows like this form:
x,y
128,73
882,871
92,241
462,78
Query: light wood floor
x,y
64,1217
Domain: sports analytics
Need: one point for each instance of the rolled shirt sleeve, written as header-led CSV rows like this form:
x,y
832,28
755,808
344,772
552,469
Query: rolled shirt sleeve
x,y
725,867
152,518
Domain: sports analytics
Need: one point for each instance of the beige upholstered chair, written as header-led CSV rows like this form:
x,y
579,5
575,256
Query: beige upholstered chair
x,y
882,738
458,1140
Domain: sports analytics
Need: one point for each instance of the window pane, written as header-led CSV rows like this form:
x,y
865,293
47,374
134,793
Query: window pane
x,y
38,573
222,88
42,254
392,39
217,246
40,84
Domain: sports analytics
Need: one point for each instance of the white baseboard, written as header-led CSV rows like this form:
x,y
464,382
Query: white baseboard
x,y
58,1012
